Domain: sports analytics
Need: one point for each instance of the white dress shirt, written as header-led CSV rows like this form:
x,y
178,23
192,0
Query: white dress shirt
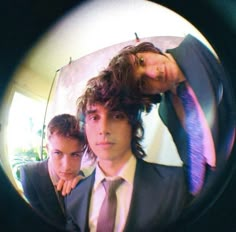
x,y
124,194
53,176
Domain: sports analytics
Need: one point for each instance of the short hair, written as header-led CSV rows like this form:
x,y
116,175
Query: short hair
x,y
105,90
65,125
123,70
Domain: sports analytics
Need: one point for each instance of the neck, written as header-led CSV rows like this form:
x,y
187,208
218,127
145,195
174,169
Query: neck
x,y
174,87
180,76
112,167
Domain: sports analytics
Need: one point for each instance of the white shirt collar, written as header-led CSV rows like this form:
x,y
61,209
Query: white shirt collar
x,y
53,176
127,172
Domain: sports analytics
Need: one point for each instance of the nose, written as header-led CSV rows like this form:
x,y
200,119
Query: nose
x,y
66,162
104,126
152,71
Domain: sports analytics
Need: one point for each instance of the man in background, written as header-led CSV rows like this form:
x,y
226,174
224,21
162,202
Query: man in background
x,y
46,182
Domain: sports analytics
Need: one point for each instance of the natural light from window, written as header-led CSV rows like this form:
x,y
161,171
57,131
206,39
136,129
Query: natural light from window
x,y
26,120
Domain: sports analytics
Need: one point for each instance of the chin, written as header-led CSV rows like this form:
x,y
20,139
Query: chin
x,y
105,158
67,177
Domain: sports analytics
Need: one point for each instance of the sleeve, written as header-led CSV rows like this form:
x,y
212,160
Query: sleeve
x,y
28,187
70,225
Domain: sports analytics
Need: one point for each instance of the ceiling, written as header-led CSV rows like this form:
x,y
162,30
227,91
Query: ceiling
x,y
98,24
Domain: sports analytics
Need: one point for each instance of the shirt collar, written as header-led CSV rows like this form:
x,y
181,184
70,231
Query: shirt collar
x,y
53,176
127,172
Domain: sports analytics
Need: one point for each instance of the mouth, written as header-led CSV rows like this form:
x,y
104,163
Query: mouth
x,y
66,174
105,144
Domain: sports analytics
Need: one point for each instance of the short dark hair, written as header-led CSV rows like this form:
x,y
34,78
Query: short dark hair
x,y
105,90
123,70
66,125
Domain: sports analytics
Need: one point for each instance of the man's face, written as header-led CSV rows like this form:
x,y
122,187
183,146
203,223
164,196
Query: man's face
x,y
65,155
108,134
157,73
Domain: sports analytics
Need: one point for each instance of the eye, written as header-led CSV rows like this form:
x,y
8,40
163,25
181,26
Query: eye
x,y
77,154
118,115
92,117
57,153
141,61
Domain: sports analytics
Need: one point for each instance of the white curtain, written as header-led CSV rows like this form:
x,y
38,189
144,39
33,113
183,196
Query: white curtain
x,y
71,81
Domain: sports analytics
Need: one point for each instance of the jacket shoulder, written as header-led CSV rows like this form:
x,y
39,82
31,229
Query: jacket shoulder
x,y
162,170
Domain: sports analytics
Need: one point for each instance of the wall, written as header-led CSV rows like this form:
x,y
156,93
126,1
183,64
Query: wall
x,y
71,81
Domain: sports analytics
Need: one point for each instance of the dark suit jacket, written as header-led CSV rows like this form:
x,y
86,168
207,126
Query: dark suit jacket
x,y
159,196
40,192
209,81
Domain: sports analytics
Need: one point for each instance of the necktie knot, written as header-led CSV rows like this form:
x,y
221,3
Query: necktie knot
x,y
182,92
111,186
181,87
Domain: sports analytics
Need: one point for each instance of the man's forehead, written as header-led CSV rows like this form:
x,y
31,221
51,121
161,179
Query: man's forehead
x,y
94,107
134,62
133,59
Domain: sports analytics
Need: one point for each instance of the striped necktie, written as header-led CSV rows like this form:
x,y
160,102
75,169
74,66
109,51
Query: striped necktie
x,y
195,144
107,214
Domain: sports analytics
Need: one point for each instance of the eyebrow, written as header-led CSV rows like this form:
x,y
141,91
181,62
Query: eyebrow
x,y
56,149
76,152
136,60
92,111
135,65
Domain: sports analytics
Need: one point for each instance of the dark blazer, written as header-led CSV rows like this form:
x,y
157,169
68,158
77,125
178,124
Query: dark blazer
x,y
209,81
159,196
40,192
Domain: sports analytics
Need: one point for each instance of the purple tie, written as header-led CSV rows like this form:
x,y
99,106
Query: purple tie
x,y
107,214
196,160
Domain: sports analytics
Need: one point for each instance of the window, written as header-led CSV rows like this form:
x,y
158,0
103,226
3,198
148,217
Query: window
x,y
25,132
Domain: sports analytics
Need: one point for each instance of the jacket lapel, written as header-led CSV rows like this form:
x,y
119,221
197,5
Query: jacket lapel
x,y
202,76
79,200
170,119
141,214
48,194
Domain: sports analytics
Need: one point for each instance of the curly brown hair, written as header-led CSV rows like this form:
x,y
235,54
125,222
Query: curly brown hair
x,y
104,89
123,70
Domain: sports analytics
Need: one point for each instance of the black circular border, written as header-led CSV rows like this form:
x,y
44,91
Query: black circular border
x,y
23,21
